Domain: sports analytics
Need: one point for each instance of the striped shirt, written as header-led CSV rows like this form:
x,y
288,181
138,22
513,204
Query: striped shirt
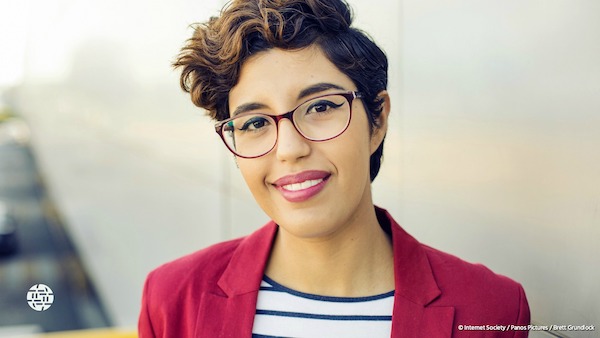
x,y
283,312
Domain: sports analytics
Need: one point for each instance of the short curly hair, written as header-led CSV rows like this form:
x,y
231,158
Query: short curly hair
x,y
212,58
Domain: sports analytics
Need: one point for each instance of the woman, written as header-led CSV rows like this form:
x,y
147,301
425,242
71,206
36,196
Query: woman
x,y
301,101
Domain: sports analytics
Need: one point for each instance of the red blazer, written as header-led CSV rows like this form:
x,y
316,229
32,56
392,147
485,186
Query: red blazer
x,y
213,292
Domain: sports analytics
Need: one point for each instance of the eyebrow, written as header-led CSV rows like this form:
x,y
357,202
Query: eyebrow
x,y
308,91
317,88
247,107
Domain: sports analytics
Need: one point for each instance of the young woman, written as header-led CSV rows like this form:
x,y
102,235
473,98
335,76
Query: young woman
x,y
300,99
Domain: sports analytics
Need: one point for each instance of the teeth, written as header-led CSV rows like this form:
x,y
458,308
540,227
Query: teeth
x,y
302,185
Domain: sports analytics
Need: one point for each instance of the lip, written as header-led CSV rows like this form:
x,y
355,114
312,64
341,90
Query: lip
x,y
303,194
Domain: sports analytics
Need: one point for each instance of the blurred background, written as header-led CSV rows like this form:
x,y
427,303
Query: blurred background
x,y
107,170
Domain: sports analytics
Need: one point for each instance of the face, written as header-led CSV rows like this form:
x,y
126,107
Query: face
x,y
311,189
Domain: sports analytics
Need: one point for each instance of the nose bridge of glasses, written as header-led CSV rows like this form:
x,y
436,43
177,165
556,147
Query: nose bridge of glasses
x,y
290,143
287,116
286,124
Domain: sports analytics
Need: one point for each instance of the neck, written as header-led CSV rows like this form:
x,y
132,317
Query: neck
x,y
356,261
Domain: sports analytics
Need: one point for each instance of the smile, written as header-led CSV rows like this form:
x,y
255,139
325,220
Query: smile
x,y
302,185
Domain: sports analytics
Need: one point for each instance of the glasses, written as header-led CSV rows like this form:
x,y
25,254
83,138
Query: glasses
x,y
254,134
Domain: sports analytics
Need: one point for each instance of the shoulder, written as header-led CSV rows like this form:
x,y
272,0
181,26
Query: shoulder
x,y
212,258
476,291
176,284
173,290
196,268
477,294
201,271
454,275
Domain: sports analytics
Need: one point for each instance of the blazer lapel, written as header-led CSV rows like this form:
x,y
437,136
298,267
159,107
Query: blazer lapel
x,y
230,309
415,320
416,289
221,316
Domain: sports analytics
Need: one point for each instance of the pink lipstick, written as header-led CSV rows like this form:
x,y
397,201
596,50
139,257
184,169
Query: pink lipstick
x,y
302,186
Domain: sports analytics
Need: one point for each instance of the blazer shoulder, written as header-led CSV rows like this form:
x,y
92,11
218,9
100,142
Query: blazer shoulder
x,y
475,290
204,265
174,292
449,267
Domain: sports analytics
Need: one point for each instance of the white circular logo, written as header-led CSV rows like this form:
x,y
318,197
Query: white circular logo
x,y
40,297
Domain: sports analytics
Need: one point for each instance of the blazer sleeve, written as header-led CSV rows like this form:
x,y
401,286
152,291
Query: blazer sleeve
x,y
523,317
145,329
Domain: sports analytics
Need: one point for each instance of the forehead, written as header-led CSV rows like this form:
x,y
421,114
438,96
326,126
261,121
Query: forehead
x,y
276,74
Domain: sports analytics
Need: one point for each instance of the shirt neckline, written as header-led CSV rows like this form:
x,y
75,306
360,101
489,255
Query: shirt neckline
x,y
278,287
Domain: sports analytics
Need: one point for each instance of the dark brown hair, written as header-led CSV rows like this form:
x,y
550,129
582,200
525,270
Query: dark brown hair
x,y
212,58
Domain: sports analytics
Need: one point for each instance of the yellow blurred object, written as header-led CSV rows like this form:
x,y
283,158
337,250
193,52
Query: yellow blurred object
x,y
97,333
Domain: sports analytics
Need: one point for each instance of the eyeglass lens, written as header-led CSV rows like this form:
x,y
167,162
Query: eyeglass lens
x,y
319,119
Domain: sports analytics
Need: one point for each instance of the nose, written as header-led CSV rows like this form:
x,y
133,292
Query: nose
x,y
291,145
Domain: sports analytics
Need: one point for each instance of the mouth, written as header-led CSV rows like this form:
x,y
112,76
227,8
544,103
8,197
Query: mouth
x,y
302,186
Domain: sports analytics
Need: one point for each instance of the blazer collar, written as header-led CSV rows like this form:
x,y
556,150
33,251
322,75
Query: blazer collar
x,y
413,276
416,288
247,265
229,312
415,284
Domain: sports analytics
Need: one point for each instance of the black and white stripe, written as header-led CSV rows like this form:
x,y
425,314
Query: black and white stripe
x,y
283,312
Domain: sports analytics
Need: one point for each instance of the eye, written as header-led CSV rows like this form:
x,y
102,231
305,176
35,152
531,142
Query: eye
x,y
254,123
322,106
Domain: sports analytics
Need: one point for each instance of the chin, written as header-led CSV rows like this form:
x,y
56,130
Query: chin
x,y
307,223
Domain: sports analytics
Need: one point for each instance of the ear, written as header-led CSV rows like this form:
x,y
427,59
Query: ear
x,y
379,132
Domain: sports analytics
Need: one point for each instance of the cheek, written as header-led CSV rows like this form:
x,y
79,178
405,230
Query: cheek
x,y
352,153
253,173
